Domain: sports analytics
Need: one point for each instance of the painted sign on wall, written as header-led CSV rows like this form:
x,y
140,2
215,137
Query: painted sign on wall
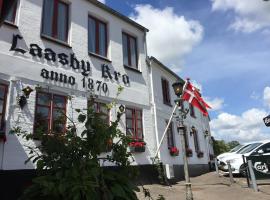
x,y
71,61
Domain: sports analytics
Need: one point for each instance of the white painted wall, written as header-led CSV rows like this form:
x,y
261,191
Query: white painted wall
x,y
14,66
163,113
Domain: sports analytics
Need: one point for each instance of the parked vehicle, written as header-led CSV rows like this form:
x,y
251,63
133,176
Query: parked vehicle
x,y
238,148
236,160
232,151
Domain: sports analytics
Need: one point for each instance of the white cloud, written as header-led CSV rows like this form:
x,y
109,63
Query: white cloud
x,y
250,16
255,96
266,96
102,1
171,36
215,103
248,126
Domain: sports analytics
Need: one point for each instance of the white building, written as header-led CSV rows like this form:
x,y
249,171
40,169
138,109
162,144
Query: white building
x,y
62,49
197,134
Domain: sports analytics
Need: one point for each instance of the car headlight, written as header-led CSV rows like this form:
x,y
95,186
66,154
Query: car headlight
x,y
231,160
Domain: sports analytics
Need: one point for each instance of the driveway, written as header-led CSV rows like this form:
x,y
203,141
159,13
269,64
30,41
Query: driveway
x,y
209,187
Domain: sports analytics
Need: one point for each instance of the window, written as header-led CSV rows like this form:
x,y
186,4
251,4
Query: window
x,y
186,138
265,148
101,109
191,110
55,19
50,116
134,127
170,137
97,36
196,140
3,101
166,91
11,16
1,4
130,56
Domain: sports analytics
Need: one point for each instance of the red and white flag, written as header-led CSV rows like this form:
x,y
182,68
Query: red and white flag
x,y
193,96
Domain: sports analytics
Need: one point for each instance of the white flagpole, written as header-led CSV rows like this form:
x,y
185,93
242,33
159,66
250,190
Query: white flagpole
x,y
163,136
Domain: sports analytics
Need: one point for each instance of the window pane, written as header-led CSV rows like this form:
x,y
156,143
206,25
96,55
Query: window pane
x,y
1,106
1,123
62,21
139,124
125,49
92,35
2,91
42,113
128,113
95,107
130,132
12,13
139,134
133,52
48,17
59,101
139,114
41,127
44,99
103,109
59,120
102,39
129,123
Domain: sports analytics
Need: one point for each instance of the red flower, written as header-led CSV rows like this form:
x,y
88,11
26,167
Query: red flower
x,y
137,144
174,150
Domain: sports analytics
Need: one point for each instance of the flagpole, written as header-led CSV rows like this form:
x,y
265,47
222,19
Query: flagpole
x,y
181,128
181,116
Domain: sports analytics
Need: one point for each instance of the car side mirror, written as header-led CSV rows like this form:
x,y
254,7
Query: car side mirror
x,y
260,151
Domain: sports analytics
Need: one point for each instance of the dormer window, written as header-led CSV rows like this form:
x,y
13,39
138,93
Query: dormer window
x,y
166,91
130,55
55,19
11,16
97,36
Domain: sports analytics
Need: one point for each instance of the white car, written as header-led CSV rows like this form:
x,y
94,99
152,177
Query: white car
x,y
236,160
233,151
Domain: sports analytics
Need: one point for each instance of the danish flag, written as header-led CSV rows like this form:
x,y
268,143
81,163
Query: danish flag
x,y
193,96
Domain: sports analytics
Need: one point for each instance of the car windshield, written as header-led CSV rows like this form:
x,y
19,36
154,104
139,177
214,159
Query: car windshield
x,y
243,148
236,148
249,148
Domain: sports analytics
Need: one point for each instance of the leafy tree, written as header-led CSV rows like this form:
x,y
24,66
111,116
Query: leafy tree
x,y
69,165
220,146
232,144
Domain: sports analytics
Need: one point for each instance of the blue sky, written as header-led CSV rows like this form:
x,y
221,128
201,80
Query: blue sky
x,y
224,45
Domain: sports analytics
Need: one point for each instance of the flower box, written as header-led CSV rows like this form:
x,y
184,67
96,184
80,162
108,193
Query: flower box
x,y
199,154
174,151
137,146
189,152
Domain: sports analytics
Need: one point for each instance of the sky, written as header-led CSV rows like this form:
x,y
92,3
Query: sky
x,y
223,46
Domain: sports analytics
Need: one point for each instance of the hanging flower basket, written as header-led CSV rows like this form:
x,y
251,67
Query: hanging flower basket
x,y
137,146
3,137
174,151
189,152
199,154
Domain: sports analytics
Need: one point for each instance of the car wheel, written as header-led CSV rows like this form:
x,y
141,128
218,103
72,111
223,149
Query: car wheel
x,y
242,170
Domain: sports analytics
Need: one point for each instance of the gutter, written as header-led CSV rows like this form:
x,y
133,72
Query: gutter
x,y
149,62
